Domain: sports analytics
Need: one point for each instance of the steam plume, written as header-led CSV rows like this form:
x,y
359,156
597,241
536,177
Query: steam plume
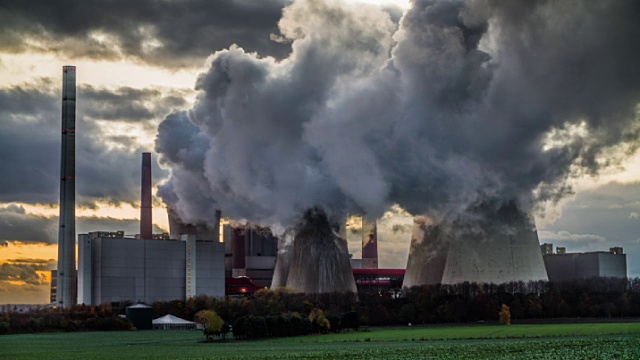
x,y
463,102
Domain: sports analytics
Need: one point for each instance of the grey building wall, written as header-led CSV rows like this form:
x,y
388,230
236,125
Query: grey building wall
x,y
210,268
563,267
84,269
560,267
613,265
147,270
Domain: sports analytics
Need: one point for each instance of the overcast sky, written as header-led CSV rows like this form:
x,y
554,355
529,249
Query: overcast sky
x,y
145,63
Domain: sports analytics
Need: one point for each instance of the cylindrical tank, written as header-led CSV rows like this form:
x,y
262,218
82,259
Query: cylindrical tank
x,y
141,315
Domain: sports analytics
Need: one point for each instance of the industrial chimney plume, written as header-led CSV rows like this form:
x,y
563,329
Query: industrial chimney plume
x,y
146,231
66,294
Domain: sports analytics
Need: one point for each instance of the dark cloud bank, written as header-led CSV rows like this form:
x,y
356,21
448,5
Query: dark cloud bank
x,y
464,102
16,225
30,140
164,33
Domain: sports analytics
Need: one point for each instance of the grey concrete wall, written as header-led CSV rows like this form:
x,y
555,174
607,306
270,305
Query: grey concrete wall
x,y
152,270
210,268
261,262
560,267
84,269
613,265
588,265
585,265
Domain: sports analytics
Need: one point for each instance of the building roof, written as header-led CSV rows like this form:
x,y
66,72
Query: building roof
x,y
171,320
139,306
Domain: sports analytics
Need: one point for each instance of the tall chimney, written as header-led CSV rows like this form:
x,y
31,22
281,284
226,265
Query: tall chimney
x,y
66,293
369,244
239,252
146,231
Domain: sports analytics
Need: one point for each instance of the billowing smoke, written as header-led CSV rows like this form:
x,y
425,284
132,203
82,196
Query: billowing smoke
x,y
463,102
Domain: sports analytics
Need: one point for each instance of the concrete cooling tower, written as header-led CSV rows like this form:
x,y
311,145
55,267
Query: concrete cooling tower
x,y
497,246
283,261
427,255
320,259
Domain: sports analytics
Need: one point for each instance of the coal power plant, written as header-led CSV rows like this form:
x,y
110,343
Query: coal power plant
x,y
488,245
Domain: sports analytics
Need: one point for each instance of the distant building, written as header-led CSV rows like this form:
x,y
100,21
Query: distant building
x,y
547,249
113,268
250,251
563,266
616,250
53,296
53,292
378,279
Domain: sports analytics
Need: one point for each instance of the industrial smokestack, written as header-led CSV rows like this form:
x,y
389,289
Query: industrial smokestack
x,y
66,294
146,231
239,252
369,244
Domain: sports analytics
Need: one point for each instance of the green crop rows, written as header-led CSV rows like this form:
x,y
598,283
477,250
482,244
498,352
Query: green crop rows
x,y
572,341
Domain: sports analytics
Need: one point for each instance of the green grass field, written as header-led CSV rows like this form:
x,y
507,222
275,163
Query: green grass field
x,y
565,341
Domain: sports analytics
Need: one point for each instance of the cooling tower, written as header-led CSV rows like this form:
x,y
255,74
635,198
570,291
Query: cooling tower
x,y
146,228
283,261
369,244
320,261
501,247
484,245
427,255
66,294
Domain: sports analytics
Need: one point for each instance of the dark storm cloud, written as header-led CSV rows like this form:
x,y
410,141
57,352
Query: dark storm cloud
x,y
25,270
18,226
128,104
30,140
165,33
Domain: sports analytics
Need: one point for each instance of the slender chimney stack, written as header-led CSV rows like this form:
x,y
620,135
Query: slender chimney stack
x,y
146,230
239,252
66,293
369,244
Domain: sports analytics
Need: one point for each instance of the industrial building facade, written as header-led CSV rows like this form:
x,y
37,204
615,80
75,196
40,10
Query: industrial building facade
x,y
563,266
114,268
250,251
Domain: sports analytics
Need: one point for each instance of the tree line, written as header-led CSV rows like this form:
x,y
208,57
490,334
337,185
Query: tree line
x,y
268,313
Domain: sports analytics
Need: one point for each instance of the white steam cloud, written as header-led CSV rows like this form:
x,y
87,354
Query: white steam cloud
x,y
459,103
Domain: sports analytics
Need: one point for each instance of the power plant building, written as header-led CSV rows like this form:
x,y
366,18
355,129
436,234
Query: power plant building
x,y
568,266
115,268
250,251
